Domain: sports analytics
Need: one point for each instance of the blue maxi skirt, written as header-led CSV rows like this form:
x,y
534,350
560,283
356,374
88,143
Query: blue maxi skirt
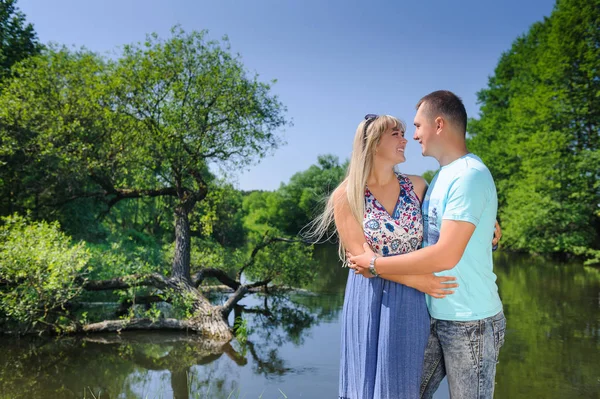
x,y
385,327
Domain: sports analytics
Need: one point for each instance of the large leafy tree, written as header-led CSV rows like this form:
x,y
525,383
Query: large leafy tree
x,y
190,103
539,133
18,41
55,130
147,125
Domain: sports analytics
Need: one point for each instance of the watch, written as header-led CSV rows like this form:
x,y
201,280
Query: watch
x,y
372,266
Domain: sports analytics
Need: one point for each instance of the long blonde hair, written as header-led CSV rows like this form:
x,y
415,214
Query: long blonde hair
x,y
359,169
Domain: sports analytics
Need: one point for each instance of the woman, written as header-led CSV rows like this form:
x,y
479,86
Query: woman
x,y
384,338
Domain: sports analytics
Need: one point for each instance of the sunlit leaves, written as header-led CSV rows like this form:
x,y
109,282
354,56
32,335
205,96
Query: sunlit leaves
x,y
39,273
539,132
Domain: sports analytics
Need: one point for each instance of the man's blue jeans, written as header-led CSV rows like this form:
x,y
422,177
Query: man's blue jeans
x,y
465,351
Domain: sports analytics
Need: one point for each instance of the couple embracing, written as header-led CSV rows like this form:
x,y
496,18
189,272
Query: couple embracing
x,y
421,299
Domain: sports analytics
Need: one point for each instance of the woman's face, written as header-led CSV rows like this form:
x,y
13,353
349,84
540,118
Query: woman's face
x,y
392,145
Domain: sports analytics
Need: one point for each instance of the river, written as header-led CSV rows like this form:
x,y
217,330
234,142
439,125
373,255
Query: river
x,y
292,347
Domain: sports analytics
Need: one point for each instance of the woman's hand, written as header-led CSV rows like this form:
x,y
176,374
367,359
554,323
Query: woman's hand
x,y
432,285
360,263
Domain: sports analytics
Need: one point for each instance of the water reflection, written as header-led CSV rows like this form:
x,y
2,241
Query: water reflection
x,y
553,331
551,351
151,364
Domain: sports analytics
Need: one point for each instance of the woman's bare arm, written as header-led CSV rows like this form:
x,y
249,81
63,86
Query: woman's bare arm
x,y
352,237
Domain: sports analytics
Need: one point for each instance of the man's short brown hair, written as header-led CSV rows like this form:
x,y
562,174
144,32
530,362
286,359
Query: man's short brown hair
x,y
448,105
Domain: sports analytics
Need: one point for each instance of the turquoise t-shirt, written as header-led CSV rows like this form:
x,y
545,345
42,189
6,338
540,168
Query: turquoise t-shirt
x,y
464,190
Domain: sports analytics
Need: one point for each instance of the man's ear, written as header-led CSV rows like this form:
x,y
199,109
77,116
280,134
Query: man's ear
x,y
440,123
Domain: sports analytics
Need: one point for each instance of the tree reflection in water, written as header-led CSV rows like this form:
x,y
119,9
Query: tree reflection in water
x,y
136,365
551,348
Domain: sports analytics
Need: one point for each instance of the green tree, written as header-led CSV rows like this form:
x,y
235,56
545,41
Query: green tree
x,y
53,126
17,42
428,175
17,38
146,125
221,216
295,204
539,133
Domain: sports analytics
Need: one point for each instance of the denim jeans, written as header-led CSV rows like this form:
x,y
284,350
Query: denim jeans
x,y
465,351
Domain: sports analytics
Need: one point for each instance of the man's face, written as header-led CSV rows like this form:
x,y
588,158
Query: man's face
x,y
425,131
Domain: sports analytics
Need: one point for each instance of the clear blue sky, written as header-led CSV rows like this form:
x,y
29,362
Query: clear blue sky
x,y
334,60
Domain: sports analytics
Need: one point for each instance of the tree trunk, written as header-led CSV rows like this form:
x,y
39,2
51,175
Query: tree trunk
x,y
206,319
179,383
210,325
181,260
211,318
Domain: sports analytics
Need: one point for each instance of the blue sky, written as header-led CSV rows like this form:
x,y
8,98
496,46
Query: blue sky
x,y
334,61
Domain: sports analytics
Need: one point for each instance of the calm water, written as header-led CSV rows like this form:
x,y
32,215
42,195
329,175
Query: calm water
x,y
551,351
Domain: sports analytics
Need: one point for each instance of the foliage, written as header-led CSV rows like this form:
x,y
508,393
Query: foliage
x,y
283,213
182,303
220,216
40,274
284,262
309,189
80,130
240,326
152,119
295,204
53,122
18,38
115,149
125,257
429,175
538,133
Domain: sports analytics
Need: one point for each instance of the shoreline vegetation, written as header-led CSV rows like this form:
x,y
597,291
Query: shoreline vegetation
x,y
107,193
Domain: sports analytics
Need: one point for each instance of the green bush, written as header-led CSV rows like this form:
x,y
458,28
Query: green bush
x,y
39,274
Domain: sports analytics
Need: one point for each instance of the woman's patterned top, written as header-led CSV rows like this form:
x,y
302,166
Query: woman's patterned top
x,y
398,233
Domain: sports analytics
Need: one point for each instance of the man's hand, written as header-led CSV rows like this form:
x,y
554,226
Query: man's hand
x,y
497,235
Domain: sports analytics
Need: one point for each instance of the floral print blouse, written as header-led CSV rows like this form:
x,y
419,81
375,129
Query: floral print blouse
x,y
400,232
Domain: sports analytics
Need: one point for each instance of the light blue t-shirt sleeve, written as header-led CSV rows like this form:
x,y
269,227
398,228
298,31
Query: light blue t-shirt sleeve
x,y
468,197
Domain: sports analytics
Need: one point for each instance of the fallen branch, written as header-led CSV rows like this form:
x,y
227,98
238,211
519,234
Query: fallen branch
x,y
140,324
125,282
239,294
219,274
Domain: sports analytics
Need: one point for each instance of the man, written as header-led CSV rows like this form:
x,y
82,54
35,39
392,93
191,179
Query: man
x,y
459,211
